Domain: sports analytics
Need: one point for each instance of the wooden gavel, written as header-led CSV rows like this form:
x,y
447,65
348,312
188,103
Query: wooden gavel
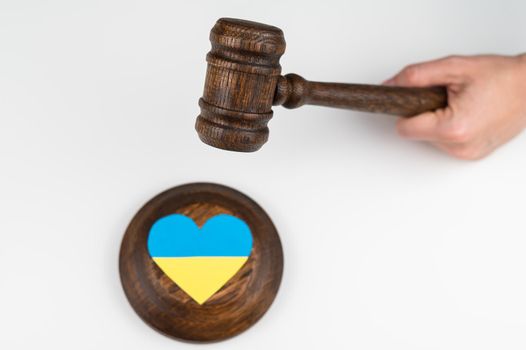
x,y
244,80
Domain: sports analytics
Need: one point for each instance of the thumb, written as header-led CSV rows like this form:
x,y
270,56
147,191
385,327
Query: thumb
x,y
445,71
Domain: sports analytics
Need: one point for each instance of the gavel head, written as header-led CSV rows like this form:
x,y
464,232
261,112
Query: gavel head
x,y
241,80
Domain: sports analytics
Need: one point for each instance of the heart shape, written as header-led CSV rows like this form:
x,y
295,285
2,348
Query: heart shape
x,y
200,260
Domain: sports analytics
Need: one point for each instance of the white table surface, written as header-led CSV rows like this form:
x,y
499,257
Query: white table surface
x,y
388,243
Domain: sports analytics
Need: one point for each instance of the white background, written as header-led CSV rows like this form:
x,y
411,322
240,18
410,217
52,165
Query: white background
x,y
388,244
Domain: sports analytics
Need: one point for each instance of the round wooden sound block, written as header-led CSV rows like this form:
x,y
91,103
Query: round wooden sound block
x,y
201,262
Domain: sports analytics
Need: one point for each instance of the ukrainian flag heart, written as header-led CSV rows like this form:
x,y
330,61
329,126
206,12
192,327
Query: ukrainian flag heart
x,y
200,260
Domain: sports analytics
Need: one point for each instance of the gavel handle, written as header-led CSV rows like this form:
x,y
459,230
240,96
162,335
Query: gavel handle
x,y
293,91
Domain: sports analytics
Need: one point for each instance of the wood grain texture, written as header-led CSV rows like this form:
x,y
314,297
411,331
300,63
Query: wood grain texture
x,y
242,74
293,91
240,303
243,81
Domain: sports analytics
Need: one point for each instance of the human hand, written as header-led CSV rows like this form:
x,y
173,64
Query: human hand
x,y
486,103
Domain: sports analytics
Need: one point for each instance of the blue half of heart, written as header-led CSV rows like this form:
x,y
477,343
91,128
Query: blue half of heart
x,y
177,235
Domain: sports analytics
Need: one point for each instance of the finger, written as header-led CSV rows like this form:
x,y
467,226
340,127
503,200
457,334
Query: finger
x,y
468,151
445,147
444,71
422,127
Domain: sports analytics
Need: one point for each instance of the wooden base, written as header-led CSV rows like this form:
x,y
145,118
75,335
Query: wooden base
x,y
240,303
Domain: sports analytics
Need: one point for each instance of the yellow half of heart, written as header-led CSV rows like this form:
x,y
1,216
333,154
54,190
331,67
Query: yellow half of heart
x,y
201,277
